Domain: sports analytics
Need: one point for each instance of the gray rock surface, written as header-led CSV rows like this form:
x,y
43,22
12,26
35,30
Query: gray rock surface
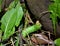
x,y
36,7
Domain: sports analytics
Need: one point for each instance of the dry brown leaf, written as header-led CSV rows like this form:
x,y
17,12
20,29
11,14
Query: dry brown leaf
x,y
40,39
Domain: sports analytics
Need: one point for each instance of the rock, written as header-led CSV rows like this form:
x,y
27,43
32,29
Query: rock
x,y
36,7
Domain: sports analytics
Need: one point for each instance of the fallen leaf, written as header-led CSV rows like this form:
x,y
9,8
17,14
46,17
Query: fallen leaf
x,y
40,39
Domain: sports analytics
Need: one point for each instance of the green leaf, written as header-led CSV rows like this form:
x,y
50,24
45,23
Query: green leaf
x,y
57,42
58,12
54,8
0,35
8,33
16,1
8,21
1,44
12,5
57,1
54,21
11,19
1,4
19,14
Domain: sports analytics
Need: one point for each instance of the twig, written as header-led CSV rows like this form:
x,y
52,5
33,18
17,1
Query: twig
x,y
20,35
27,19
0,35
9,43
28,16
12,41
29,41
26,22
44,12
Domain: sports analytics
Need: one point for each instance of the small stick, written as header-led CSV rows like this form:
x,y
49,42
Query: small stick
x,y
12,41
29,18
44,12
20,36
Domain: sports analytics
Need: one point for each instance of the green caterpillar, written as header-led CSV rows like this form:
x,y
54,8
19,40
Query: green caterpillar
x,y
31,29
